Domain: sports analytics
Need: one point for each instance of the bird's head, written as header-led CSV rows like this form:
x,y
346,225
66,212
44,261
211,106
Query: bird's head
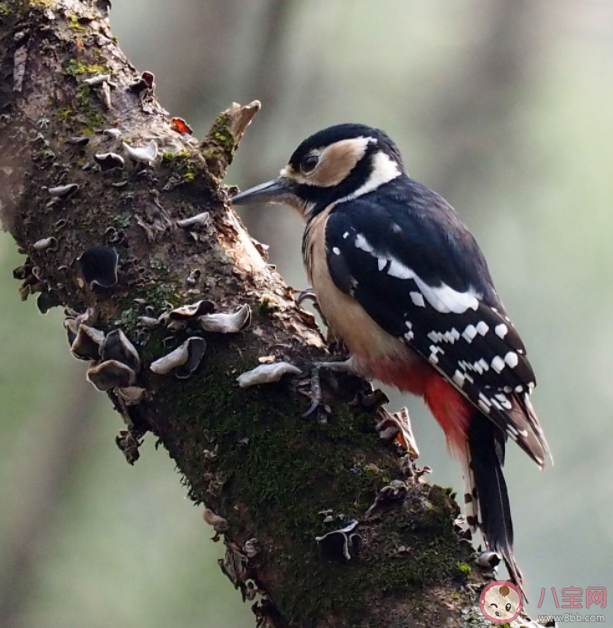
x,y
336,164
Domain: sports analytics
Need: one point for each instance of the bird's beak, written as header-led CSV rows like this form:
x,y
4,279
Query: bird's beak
x,y
279,190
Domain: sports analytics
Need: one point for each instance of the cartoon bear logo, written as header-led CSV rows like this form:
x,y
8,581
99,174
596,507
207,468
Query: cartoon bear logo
x,y
501,602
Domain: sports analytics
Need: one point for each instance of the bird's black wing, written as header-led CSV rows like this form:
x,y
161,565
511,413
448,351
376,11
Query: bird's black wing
x,y
406,257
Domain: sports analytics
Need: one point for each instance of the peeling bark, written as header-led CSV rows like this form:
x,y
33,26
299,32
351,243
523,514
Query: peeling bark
x,y
272,481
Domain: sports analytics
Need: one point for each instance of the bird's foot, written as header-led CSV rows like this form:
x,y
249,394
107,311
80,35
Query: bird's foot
x,y
345,366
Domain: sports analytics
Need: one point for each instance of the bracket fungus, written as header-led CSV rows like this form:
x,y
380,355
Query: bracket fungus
x,y
183,361
219,523
191,311
343,544
117,347
110,374
99,266
227,323
131,395
146,154
393,493
199,220
46,244
109,161
64,191
180,126
488,560
252,548
145,82
46,300
98,79
398,425
266,374
87,343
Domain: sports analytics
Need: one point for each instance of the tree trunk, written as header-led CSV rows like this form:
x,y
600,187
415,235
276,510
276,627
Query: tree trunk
x,y
264,471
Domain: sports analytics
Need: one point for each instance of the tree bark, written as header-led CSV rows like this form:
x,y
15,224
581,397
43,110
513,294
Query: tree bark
x,y
263,470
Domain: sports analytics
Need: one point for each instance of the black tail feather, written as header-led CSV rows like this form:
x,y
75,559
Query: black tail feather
x,y
486,449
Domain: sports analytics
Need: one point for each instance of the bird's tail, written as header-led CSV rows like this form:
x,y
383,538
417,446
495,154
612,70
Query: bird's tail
x,y
487,499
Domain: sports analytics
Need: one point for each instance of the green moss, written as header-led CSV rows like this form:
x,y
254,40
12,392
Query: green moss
x,y
42,4
73,22
463,571
74,67
263,458
88,107
222,132
266,306
183,166
64,114
5,10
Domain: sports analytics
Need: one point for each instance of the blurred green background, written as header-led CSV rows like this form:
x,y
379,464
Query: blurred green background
x,y
503,107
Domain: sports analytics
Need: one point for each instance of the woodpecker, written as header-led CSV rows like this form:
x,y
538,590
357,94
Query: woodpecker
x,y
402,281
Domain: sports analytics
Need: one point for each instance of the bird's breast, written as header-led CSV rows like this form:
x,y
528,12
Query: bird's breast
x,y
379,354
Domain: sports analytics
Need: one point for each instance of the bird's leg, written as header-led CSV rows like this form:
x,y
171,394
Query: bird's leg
x,y
344,366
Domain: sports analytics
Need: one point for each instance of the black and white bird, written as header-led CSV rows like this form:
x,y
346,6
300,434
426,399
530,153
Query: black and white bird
x,y
402,281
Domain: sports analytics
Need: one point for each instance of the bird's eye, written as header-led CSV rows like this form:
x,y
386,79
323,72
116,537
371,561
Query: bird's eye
x,y
309,163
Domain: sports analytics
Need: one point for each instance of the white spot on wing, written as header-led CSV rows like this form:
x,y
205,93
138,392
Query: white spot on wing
x,y
459,378
445,299
501,330
336,250
362,243
484,406
482,328
417,299
498,364
398,269
469,333
345,235
381,262
511,359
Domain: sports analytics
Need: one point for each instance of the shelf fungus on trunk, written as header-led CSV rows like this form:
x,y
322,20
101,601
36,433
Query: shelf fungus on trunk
x,y
183,361
388,496
221,323
109,161
117,347
199,220
267,374
219,524
110,374
144,155
98,266
88,341
46,244
397,426
64,191
340,545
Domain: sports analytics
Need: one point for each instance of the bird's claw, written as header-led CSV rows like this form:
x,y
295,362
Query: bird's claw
x,y
316,393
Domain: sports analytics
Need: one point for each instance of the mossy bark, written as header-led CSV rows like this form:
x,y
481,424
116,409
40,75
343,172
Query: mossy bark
x,y
248,455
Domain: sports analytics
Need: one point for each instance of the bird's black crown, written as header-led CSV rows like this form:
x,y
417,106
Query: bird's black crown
x,y
332,134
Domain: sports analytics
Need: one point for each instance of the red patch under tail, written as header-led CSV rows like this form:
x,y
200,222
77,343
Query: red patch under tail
x,y
450,409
